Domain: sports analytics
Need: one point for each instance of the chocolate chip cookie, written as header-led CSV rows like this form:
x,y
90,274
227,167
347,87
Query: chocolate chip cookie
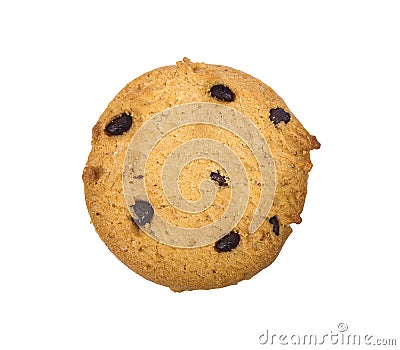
x,y
195,174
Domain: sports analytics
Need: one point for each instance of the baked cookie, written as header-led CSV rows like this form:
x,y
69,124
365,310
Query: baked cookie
x,y
195,175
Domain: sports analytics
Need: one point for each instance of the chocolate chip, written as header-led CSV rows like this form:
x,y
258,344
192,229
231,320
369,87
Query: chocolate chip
x,y
144,212
278,115
222,92
228,242
120,124
275,225
216,176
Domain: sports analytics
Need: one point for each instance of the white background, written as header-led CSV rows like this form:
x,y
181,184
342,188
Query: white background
x,y
336,64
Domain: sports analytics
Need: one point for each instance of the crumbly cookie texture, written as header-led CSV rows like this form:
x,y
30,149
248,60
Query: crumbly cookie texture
x,y
239,254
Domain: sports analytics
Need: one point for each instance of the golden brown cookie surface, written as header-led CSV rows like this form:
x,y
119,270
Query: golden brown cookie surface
x,y
195,174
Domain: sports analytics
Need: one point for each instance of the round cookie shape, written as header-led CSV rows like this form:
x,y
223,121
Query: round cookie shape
x,y
195,174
